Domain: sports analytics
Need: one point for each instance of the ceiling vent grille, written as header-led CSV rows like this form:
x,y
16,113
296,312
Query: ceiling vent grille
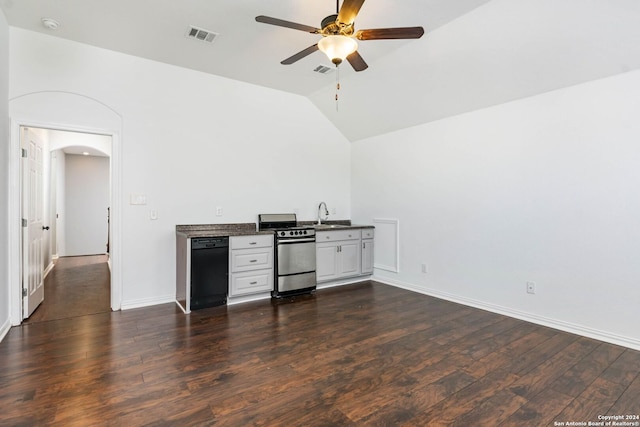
x,y
201,34
323,69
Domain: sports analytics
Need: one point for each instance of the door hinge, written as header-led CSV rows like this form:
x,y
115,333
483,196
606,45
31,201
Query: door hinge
x,y
24,292
24,153
24,222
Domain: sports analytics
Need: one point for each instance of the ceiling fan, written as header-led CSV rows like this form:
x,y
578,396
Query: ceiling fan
x,y
339,37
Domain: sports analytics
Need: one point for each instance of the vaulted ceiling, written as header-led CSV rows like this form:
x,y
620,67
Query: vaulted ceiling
x,y
474,54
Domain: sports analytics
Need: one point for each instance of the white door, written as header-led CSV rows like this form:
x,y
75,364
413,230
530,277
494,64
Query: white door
x,y
32,213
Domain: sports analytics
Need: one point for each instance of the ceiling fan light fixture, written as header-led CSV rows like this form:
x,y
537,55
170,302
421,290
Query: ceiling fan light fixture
x,y
337,47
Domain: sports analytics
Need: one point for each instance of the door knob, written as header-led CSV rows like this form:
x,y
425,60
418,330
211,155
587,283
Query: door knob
x,y
45,228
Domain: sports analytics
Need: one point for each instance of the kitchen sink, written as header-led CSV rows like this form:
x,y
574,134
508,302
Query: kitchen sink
x,y
329,226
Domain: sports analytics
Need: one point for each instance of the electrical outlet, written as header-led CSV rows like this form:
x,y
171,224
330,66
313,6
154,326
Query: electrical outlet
x,y
218,211
424,268
153,215
531,287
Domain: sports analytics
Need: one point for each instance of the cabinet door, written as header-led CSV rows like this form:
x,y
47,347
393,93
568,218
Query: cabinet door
x,y
367,256
349,258
326,261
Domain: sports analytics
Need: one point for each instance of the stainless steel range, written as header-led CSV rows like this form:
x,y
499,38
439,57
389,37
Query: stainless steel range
x,y
295,255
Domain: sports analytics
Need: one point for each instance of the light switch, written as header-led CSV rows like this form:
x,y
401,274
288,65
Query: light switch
x,y
137,199
153,215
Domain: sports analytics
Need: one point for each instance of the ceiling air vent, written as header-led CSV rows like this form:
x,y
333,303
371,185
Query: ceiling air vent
x,y
200,34
323,69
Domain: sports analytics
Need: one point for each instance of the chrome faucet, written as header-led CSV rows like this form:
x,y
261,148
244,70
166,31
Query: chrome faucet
x,y
326,212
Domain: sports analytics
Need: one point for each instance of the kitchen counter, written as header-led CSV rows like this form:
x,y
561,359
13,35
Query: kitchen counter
x,y
334,225
355,262
219,230
249,228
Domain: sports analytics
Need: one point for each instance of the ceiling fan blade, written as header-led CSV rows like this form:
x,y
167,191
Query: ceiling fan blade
x,y
349,10
286,24
298,56
390,33
357,62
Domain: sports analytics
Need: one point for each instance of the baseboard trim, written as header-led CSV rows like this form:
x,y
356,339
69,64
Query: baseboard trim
x,y
248,298
528,317
146,302
47,270
4,329
343,282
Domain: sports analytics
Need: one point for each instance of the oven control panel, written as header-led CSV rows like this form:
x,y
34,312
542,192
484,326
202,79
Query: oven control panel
x,y
304,232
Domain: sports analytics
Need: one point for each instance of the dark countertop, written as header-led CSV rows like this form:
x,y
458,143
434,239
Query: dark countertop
x,y
334,225
219,230
250,228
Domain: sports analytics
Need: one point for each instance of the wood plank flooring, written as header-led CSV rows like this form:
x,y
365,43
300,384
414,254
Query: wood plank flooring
x,y
76,286
365,354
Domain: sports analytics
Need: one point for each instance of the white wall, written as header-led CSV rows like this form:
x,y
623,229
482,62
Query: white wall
x,y
4,177
544,189
190,142
86,203
59,140
60,190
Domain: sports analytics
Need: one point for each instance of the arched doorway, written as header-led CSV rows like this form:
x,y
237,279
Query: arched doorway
x,y
62,111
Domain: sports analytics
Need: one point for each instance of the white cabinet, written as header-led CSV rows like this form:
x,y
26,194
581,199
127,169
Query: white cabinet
x,y
250,264
367,256
337,254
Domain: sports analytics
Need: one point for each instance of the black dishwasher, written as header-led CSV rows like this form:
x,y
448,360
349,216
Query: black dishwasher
x,y
209,271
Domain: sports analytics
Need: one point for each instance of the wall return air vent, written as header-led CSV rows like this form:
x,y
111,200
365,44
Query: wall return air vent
x,y
201,34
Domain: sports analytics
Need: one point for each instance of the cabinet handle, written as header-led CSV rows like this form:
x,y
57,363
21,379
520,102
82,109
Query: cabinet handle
x,y
363,247
253,243
253,283
253,260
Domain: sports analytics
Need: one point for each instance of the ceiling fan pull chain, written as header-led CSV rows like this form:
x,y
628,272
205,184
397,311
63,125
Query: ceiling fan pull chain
x,y
337,84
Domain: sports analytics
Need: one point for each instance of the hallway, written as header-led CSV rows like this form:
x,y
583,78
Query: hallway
x,y
76,286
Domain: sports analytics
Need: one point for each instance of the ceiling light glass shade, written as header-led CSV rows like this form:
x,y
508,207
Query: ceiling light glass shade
x,y
337,48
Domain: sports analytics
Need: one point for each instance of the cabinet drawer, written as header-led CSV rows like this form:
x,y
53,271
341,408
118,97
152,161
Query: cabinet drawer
x,y
251,259
252,241
335,235
251,282
367,233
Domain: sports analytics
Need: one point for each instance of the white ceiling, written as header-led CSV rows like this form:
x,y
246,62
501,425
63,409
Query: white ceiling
x,y
475,53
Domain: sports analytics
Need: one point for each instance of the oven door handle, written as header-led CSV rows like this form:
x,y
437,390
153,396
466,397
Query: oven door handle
x,y
291,241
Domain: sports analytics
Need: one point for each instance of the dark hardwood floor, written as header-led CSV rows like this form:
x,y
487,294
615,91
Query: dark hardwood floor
x,y
364,354
76,286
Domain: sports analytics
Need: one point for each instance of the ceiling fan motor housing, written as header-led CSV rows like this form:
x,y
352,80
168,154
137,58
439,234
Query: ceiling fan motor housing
x,y
331,27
